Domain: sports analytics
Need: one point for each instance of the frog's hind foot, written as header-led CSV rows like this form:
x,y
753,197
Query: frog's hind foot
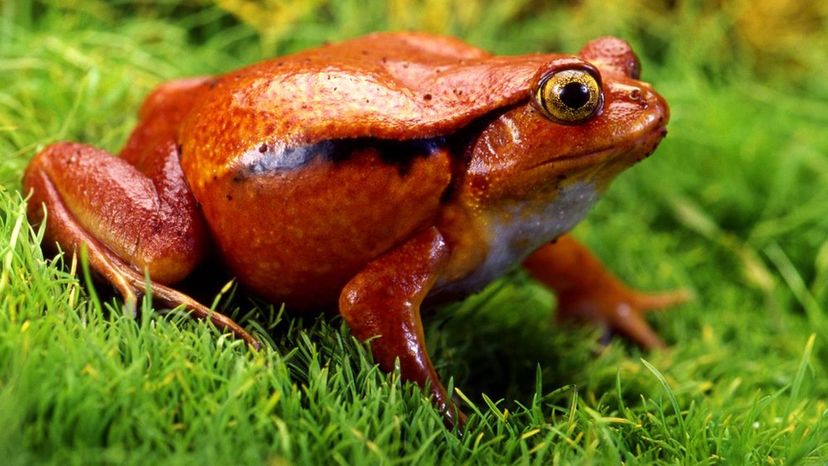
x,y
172,299
130,285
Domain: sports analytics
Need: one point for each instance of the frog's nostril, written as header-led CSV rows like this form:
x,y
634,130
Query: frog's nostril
x,y
635,94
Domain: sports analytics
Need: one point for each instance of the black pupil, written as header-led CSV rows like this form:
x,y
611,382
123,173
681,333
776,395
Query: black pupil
x,y
575,95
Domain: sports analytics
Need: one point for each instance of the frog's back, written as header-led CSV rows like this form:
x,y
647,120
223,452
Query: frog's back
x,y
395,86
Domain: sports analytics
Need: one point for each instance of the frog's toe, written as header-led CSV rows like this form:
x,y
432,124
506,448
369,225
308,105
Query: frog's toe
x,y
658,301
628,319
620,311
630,323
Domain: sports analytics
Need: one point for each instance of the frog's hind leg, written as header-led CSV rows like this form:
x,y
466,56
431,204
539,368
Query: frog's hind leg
x,y
587,291
106,204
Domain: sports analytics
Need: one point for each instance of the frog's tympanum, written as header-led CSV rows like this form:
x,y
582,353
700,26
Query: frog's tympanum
x,y
374,176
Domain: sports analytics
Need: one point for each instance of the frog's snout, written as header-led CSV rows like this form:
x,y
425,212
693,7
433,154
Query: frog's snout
x,y
655,108
652,126
612,56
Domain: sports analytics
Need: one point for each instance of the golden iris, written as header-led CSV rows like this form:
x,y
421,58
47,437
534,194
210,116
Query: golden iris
x,y
569,96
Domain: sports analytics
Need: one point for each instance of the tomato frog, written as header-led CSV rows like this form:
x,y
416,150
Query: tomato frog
x,y
374,176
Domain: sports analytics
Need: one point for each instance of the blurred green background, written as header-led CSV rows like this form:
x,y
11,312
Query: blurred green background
x,y
733,205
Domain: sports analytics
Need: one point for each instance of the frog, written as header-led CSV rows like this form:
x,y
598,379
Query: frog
x,y
373,177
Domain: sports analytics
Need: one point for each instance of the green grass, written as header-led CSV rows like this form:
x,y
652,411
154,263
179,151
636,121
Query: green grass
x,y
733,205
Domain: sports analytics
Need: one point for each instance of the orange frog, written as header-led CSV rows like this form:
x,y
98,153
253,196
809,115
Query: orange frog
x,y
375,176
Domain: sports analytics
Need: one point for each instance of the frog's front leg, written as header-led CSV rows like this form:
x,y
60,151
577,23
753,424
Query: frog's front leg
x,y
124,220
587,291
383,302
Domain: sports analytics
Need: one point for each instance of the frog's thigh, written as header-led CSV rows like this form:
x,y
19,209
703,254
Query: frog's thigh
x,y
110,201
383,302
100,201
587,291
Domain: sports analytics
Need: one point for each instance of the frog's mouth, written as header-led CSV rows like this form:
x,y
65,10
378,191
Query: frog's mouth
x,y
625,153
583,156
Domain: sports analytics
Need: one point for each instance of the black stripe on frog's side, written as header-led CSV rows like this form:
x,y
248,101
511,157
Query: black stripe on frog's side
x,y
402,153
269,159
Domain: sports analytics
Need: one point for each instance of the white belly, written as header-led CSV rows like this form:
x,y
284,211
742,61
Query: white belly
x,y
516,231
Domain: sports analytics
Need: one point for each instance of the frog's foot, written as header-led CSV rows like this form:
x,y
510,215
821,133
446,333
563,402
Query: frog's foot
x,y
172,299
121,217
382,303
587,291
131,285
619,310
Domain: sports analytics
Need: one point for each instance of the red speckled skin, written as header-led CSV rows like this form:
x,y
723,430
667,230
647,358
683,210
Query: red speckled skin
x,y
372,174
390,86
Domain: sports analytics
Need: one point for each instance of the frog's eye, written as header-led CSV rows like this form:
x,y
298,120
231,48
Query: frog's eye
x,y
569,96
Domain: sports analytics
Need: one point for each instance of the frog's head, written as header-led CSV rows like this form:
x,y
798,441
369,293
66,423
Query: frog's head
x,y
586,118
